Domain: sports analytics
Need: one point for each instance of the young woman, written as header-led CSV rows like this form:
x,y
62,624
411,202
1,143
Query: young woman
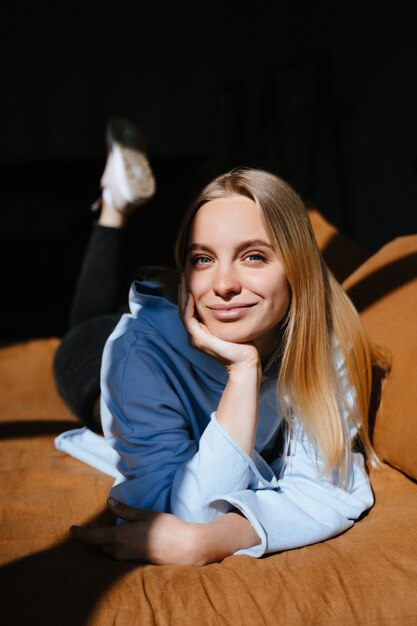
x,y
237,414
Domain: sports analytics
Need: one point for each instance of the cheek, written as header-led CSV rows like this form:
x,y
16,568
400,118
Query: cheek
x,y
284,289
198,285
280,296
195,283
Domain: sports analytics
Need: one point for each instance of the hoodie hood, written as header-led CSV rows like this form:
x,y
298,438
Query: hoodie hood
x,y
148,303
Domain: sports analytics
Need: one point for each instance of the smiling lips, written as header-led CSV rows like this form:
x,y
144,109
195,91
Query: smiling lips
x,y
229,312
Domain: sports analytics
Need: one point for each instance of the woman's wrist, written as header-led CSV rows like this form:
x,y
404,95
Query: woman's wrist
x,y
245,372
237,412
214,541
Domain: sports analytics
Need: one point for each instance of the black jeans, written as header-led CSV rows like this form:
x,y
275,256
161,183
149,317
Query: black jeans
x,y
95,311
100,298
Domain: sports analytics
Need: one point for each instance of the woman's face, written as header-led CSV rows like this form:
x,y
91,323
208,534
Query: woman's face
x,y
235,277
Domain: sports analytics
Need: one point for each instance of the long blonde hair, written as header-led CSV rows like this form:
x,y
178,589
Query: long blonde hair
x,y
320,312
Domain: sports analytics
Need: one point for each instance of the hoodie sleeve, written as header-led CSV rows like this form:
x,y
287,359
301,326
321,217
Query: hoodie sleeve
x,y
300,507
162,463
145,422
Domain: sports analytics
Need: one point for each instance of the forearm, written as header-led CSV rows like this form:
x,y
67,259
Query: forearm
x,y
216,540
221,464
237,412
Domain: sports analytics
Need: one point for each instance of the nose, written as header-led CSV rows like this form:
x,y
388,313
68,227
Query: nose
x,y
226,281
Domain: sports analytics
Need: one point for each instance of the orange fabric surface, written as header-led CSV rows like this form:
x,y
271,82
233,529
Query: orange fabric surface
x,y
367,575
384,290
341,254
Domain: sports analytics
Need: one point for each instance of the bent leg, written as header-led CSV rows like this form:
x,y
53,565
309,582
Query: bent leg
x,y
77,365
127,183
99,286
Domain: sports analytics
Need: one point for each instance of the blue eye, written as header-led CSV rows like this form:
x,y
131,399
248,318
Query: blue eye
x,y
200,260
255,256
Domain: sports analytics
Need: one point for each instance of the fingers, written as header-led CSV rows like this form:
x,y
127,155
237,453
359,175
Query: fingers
x,y
188,310
159,538
188,317
123,541
108,540
109,550
186,304
102,534
93,536
199,335
182,295
128,513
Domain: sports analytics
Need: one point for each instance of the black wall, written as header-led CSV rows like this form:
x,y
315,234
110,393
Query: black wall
x,y
323,94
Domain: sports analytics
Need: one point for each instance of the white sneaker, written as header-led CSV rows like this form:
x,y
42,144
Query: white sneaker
x,y
127,179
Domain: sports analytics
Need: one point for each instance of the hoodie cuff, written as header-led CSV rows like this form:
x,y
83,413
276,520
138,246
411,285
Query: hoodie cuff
x,y
246,503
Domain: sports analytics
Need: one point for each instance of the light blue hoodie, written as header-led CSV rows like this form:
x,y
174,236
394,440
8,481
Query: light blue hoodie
x,y
158,408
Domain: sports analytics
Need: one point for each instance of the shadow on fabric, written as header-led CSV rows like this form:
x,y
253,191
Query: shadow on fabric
x,y
62,584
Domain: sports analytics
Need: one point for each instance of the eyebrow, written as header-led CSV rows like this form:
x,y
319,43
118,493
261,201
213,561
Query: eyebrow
x,y
249,243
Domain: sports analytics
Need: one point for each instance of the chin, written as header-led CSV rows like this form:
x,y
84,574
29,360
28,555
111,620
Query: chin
x,y
230,332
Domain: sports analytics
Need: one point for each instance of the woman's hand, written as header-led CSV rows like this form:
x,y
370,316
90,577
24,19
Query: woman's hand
x,y
237,412
231,355
147,537
164,539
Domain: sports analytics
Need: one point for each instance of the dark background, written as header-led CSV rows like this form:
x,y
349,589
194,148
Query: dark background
x,y
323,94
